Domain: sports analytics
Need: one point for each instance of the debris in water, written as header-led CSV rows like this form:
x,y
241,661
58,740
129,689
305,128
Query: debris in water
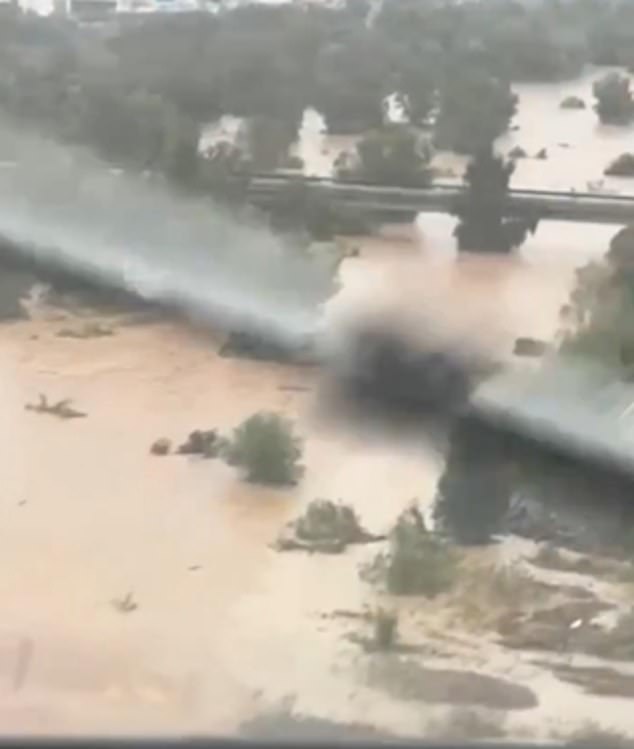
x,y
62,409
245,345
89,330
25,655
201,442
529,347
126,604
162,446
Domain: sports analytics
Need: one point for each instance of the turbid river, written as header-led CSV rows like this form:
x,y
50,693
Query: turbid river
x,y
225,627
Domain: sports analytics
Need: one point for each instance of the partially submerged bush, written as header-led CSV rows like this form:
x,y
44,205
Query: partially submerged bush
x,y
266,447
622,166
417,562
615,105
572,102
324,519
385,629
326,527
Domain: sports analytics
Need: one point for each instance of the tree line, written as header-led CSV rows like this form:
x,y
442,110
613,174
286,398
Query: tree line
x,y
139,92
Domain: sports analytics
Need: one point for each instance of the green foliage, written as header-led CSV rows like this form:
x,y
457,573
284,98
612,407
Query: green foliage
x,y
600,312
268,140
534,49
353,77
417,562
223,172
326,521
267,449
394,155
474,109
139,93
474,490
615,105
301,209
482,225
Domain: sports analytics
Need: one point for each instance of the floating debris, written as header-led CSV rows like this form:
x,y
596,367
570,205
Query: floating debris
x,y
62,409
126,604
162,446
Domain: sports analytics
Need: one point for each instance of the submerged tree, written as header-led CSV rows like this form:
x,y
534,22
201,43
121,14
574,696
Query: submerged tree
x,y
267,141
352,78
599,316
482,212
474,109
615,105
394,155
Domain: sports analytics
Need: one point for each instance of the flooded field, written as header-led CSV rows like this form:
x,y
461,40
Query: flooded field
x,y
223,629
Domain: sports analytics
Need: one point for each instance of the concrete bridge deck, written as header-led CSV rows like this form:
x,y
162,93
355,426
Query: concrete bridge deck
x,y
402,203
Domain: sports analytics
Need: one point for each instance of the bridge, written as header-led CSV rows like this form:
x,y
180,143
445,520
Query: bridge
x,y
394,203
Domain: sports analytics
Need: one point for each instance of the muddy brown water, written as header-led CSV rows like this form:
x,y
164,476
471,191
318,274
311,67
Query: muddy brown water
x,y
225,628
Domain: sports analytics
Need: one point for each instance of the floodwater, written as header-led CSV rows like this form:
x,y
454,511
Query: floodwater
x,y
224,627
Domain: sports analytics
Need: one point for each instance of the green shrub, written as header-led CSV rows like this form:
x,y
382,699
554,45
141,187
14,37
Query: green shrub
x,y
266,448
325,520
416,562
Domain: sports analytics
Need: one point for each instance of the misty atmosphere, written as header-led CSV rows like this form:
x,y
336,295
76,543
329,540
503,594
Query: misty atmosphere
x,y
316,356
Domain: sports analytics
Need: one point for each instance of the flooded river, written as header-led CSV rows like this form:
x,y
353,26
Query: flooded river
x,y
224,627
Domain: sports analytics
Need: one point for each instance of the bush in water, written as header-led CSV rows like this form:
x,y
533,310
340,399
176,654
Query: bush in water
x,y
600,311
482,223
267,449
615,105
417,562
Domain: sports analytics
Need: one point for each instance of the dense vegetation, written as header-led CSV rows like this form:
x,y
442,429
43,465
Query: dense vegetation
x,y
600,314
615,105
141,92
482,223
395,154
416,562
